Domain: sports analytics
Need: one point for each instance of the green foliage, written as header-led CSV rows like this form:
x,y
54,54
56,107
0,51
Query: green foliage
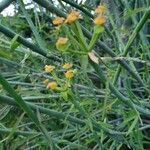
x,y
102,104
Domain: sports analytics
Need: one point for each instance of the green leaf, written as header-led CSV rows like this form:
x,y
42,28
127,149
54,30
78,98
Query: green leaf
x,y
81,36
5,54
133,125
14,44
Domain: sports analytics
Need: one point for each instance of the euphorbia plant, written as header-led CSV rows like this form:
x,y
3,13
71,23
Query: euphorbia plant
x,y
74,41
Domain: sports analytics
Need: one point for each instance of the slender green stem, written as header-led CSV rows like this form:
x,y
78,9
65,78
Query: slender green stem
x,y
37,36
53,113
116,92
136,31
58,115
25,107
14,64
24,133
131,39
9,33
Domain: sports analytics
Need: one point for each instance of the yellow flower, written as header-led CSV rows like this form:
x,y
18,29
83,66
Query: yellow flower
x,y
100,20
73,16
62,44
58,21
46,81
67,66
49,68
101,9
69,74
52,85
61,41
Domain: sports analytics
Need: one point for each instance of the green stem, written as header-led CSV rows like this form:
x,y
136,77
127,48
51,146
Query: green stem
x,y
131,39
58,115
9,33
25,107
37,36
24,133
81,36
116,92
96,35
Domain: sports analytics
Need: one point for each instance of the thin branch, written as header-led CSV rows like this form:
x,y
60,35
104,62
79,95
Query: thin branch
x,y
125,58
131,40
58,115
9,33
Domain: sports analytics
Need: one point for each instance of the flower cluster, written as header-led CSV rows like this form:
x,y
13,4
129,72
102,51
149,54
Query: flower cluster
x,y
72,17
68,74
100,19
58,21
49,68
101,10
52,85
67,66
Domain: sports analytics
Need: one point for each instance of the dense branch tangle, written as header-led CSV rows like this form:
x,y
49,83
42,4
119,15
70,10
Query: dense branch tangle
x,y
127,101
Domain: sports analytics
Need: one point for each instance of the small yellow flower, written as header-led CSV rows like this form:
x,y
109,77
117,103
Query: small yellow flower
x,y
73,16
58,21
69,74
61,41
62,44
100,20
49,68
52,85
101,9
67,66
46,81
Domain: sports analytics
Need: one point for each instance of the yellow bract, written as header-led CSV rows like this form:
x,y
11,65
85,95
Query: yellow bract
x,y
69,74
52,85
46,81
67,66
61,41
100,20
58,21
49,68
73,16
101,9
